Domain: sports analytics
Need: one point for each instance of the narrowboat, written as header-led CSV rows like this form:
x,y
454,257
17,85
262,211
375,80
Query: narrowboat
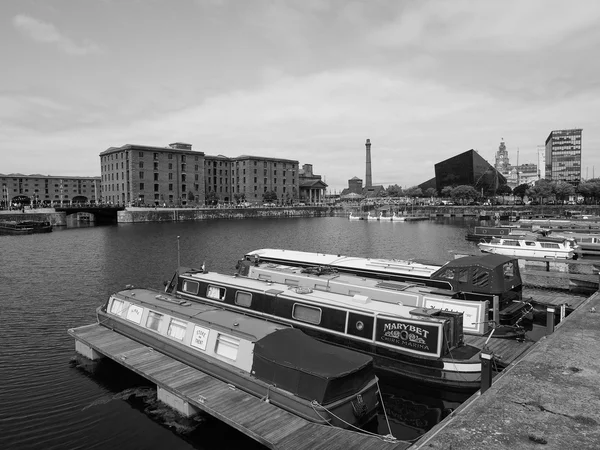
x,y
532,246
427,346
405,296
11,227
485,234
321,383
494,278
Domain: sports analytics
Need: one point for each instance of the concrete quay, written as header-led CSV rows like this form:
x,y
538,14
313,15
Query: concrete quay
x,y
549,399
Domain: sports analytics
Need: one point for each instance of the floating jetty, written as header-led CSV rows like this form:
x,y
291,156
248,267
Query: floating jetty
x,y
190,391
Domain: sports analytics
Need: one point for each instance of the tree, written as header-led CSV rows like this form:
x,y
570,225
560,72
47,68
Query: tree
x,y
447,191
590,190
541,190
504,190
270,196
563,190
431,192
413,192
521,190
464,193
239,198
394,191
212,198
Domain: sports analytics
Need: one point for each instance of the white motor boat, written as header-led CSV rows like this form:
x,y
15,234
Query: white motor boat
x,y
530,246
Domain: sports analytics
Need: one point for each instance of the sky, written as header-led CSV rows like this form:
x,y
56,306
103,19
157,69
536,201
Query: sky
x,y
308,80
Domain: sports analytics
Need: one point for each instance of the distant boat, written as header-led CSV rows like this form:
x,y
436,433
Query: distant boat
x,y
370,217
523,246
24,227
396,218
353,217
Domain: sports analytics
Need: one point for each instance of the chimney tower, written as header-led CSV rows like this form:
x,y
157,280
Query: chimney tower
x,y
368,179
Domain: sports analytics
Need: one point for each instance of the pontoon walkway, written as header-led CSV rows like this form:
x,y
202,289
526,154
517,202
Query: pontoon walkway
x,y
265,423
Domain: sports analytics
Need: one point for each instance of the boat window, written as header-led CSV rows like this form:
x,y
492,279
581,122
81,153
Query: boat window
x,y
291,282
530,243
306,313
243,299
227,346
448,274
116,306
549,245
480,277
153,320
463,275
191,287
321,287
215,292
262,276
511,243
200,337
509,270
177,329
134,313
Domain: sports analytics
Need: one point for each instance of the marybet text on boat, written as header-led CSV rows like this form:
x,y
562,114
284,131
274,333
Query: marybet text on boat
x,y
273,362
427,346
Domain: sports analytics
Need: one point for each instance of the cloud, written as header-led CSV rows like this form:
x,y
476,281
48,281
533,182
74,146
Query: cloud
x,y
47,33
463,25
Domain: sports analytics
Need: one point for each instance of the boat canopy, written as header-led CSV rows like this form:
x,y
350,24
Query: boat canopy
x,y
309,368
490,273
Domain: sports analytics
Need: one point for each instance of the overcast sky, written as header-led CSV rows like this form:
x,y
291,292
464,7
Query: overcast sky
x,y
305,80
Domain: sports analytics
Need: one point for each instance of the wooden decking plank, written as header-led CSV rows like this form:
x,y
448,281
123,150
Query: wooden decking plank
x,y
262,421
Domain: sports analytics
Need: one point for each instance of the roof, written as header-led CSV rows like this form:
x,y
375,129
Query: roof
x,y
489,261
311,183
149,148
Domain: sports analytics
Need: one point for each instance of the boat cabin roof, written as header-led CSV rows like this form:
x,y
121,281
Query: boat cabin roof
x,y
351,262
237,324
488,261
353,302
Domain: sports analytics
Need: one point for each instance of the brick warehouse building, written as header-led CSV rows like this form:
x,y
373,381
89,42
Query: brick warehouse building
x,y
176,175
148,175
39,189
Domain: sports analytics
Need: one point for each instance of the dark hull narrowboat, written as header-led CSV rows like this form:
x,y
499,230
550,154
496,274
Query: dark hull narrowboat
x,y
405,297
485,234
494,278
316,381
24,227
427,346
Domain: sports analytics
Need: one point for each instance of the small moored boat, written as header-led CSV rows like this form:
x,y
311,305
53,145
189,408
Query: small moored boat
x,y
24,227
523,246
319,382
353,217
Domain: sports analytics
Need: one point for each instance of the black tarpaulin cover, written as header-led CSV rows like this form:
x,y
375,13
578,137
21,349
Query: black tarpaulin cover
x,y
309,368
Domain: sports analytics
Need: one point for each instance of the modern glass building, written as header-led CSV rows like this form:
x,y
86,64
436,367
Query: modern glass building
x,y
470,169
563,156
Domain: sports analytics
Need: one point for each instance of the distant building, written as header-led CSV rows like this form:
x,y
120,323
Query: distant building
x,y
470,169
527,174
217,177
312,188
502,164
252,176
541,161
355,190
563,156
142,174
39,189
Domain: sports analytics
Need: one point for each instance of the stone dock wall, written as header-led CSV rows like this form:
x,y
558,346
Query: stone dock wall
x,y
140,215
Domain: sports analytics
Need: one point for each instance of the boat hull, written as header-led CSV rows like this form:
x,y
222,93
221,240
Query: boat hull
x,y
524,252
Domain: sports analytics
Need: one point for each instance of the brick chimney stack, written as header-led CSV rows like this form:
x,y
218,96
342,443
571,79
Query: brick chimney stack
x,y
368,180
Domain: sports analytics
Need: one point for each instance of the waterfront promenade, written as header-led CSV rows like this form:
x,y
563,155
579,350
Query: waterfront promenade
x,y
549,399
